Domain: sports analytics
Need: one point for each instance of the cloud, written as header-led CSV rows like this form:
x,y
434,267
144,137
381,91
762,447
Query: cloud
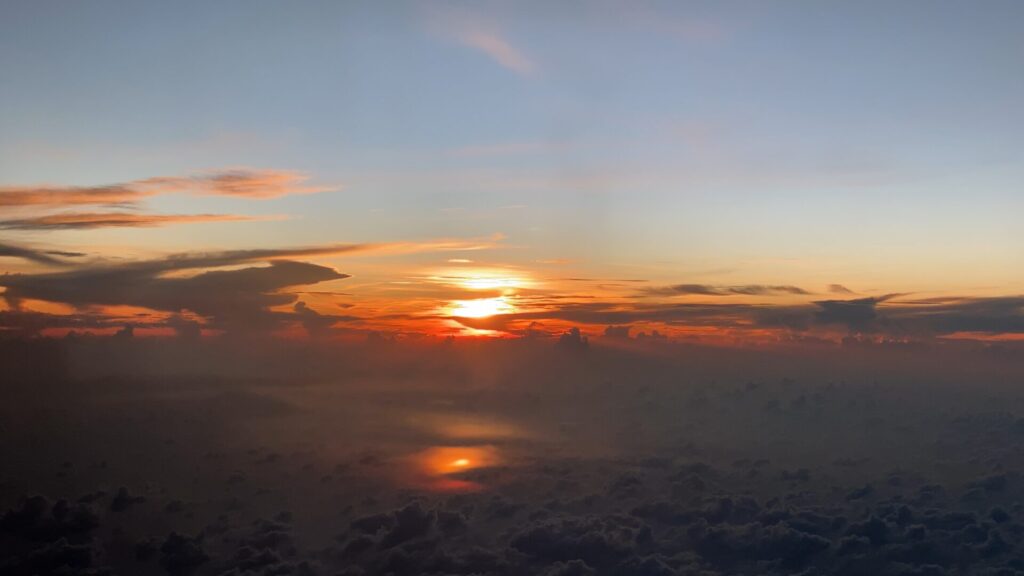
x,y
37,256
619,314
258,184
909,318
236,299
497,48
193,260
314,322
708,290
839,289
229,298
992,315
89,220
858,315
239,183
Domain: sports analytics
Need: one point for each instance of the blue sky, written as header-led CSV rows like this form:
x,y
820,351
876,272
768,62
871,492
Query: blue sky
x,y
876,140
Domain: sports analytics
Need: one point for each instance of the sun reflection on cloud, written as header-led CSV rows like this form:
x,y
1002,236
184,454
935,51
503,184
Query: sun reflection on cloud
x,y
441,466
480,307
491,283
482,278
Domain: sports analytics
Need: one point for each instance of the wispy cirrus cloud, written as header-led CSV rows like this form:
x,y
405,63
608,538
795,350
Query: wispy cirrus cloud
x,y
238,183
88,220
491,43
479,32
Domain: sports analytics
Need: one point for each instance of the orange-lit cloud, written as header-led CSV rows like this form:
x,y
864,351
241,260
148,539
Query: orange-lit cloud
x,y
239,183
88,220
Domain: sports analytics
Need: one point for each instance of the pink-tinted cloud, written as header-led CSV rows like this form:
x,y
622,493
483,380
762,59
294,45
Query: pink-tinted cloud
x,y
497,48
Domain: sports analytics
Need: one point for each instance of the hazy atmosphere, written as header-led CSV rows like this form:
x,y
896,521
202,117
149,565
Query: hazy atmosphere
x,y
511,288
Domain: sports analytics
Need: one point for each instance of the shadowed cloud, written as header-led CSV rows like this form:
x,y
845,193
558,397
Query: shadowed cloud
x,y
229,298
709,290
914,318
839,289
39,257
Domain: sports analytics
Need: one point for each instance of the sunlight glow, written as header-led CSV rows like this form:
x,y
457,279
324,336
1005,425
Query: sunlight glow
x,y
480,308
485,283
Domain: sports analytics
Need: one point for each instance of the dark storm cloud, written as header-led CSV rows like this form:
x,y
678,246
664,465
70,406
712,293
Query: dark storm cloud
x,y
709,290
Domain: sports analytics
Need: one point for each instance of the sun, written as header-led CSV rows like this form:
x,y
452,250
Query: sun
x,y
480,307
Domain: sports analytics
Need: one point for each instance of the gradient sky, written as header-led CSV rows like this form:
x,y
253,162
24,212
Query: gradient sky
x,y
581,152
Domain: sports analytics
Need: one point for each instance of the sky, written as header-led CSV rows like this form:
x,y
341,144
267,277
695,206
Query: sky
x,y
571,288
721,171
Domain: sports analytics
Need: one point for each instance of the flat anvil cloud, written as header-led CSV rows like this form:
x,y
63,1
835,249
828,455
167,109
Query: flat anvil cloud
x,y
235,300
239,183
229,298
